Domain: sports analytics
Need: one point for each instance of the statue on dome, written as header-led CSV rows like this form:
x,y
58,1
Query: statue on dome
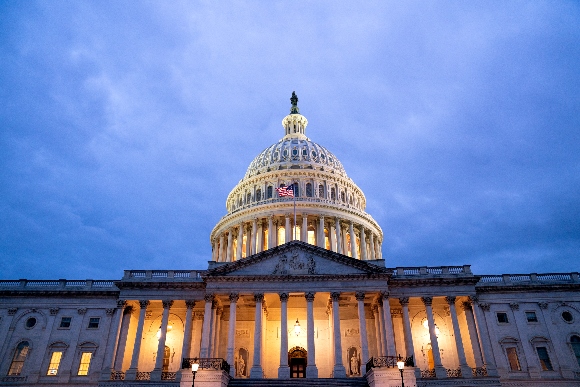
x,y
294,100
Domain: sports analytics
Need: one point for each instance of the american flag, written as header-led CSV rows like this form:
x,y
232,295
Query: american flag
x,y
285,191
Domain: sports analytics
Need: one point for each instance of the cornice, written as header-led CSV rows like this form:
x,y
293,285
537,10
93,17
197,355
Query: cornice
x,y
298,278
60,293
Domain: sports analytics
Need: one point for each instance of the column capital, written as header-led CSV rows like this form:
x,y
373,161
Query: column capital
x,y
128,309
450,300
484,306
284,297
335,296
473,298
258,297
514,306
375,309
384,294
309,296
543,305
208,297
287,215
167,304
219,311
404,301
234,297
466,305
121,303
360,296
428,301
190,304
143,304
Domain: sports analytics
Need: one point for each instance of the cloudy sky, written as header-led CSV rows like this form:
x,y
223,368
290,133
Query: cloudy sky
x,y
124,125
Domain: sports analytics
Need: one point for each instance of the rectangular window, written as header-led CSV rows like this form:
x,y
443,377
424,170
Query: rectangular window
x,y
94,322
502,317
65,322
531,316
54,363
512,355
85,363
544,359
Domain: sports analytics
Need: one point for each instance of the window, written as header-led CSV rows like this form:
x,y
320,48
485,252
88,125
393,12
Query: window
x,y
575,342
502,317
54,363
309,190
531,316
31,322
512,355
269,192
258,195
333,194
544,359
321,191
94,322
85,363
19,358
567,316
65,322
343,197
248,198
296,190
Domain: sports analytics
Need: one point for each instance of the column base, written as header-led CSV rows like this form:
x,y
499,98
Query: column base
x,y
311,371
283,372
491,370
105,374
156,374
466,371
131,374
440,372
256,372
339,371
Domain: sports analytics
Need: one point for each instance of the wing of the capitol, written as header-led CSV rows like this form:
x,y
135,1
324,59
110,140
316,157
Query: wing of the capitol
x,y
297,292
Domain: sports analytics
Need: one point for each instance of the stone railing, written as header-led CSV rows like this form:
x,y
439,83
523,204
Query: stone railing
x,y
14,379
58,284
388,362
206,363
464,270
168,375
336,202
454,373
479,371
195,275
143,376
533,278
117,375
426,374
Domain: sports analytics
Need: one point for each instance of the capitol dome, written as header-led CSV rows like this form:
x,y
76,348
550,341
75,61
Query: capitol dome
x,y
327,210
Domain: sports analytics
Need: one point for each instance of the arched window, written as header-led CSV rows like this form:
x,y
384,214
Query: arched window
x,y
321,191
57,351
258,195
269,192
343,197
19,358
296,189
87,352
575,342
333,193
308,190
281,236
248,198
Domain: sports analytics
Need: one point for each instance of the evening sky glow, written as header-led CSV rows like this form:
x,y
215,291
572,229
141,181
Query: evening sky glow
x,y
126,124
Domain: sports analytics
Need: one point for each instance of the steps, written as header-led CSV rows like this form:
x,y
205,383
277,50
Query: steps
x,y
320,382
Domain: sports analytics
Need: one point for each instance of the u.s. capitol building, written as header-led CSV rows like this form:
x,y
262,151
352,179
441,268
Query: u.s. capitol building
x,y
297,287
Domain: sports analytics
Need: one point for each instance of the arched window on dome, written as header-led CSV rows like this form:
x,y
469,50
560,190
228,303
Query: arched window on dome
x,y
269,192
333,193
19,358
308,190
343,197
321,191
258,194
248,198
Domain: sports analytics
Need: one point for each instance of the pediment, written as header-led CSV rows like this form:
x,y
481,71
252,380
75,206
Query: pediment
x,y
297,258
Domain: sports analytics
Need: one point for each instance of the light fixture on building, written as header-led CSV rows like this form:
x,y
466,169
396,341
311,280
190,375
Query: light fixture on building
x,y
401,367
297,328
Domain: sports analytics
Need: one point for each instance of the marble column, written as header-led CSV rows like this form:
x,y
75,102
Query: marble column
x,y
218,324
311,369
109,362
288,229
353,249
472,334
205,338
362,323
260,246
465,369
283,369
221,249
248,241
377,319
440,371
230,246
389,332
214,250
156,373
256,372
304,230
126,322
372,246
481,325
338,229
232,333
131,373
409,347
332,238
186,348
271,232
338,371
363,244
321,241
383,337
253,241
240,241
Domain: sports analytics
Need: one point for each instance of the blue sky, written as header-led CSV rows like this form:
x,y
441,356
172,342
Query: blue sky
x,y
124,125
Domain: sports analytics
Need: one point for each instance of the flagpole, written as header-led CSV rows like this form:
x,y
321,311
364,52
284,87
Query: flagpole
x,y
294,210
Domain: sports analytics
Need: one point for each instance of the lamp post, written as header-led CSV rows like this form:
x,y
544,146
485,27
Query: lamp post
x,y
401,366
194,368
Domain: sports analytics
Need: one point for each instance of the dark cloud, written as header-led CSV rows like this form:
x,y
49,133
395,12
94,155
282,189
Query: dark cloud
x,y
124,127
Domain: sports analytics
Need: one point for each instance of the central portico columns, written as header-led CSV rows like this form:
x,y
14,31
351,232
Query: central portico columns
x,y
311,369
338,229
465,369
256,372
132,371
205,338
156,373
338,371
364,344
390,344
231,332
440,371
404,301
284,369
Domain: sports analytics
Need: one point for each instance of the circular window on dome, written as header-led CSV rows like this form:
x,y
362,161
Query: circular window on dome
x,y
31,322
567,316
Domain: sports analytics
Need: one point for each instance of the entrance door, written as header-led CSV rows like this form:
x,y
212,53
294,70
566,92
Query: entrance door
x,y
166,355
298,367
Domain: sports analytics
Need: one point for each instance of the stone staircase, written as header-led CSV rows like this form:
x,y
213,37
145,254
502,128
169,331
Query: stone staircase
x,y
320,382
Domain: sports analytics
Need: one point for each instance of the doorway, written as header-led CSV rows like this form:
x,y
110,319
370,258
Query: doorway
x,y
166,355
297,362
